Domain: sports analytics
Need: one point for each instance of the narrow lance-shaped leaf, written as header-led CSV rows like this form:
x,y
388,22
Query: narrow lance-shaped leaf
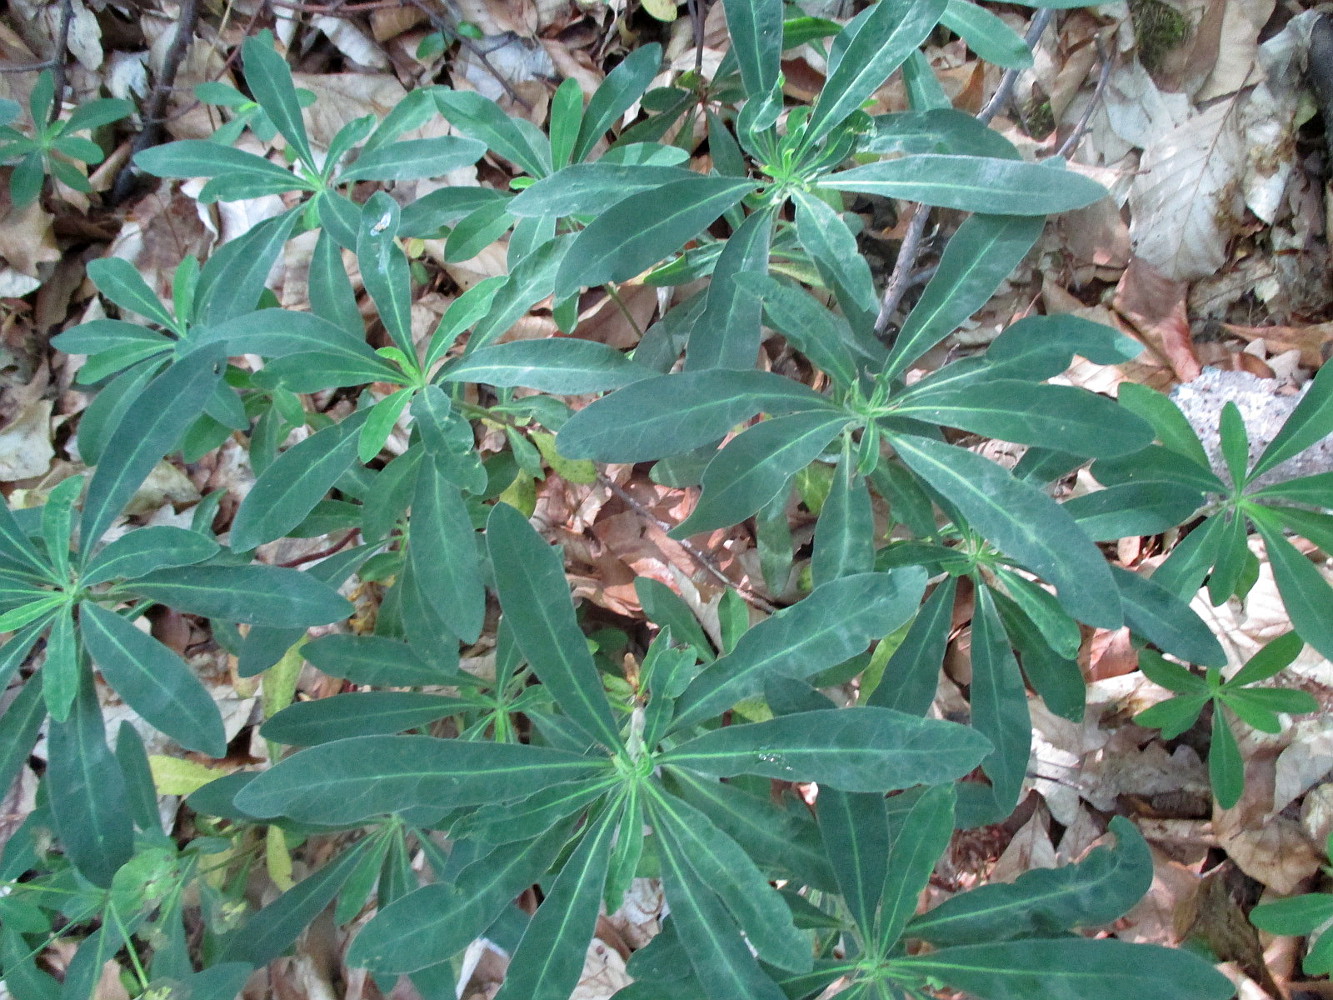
x,y
978,257
859,750
837,621
1056,969
1165,620
673,414
297,480
149,428
755,27
549,958
384,268
353,779
1094,891
999,702
756,466
87,792
534,595
715,951
443,553
1023,522
884,39
920,839
725,869
413,932
971,184
855,829
249,595
622,87
832,247
561,365
270,80
912,674
1311,421
1305,593
153,680
641,230
727,332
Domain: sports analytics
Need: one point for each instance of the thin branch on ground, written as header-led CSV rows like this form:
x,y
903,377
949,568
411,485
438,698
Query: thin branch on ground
x,y
1070,144
156,105
706,561
900,279
36,67
58,58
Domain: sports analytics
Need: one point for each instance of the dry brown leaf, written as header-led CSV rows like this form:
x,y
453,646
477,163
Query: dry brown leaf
x,y
1155,304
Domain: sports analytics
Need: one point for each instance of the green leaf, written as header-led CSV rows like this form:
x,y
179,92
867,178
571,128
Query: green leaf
x,y
121,282
330,290
999,702
912,674
153,680
1061,968
276,927
590,188
845,532
1311,421
22,719
1166,621
270,81
972,184
249,595
1044,901
977,258
1304,591
777,835
832,246
821,335
63,671
366,713
1056,628
534,595
1057,416
1173,716
233,278
1173,430
376,661
755,27
149,428
518,141
201,158
715,951
1314,490
377,427
563,366
673,414
1130,509
549,958
727,333
615,95
86,791
414,158
297,480
1235,442
1297,915
721,865
883,39
566,116
637,232
17,547
353,779
920,838
1022,522
855,830
443,555
757,465
940,130
146,549
438,920
858,750
384,268
1272,659
986,35
837,621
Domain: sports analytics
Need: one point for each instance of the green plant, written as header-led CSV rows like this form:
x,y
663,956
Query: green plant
x,y
1240,695
566,770
53,147
1308,914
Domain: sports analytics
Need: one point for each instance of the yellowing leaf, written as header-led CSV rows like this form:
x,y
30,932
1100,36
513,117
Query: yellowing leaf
x,y
174,776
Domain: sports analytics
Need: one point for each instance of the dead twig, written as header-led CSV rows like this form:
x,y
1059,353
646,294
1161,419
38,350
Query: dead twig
x,y
900,279
156,105
58,58
697,554
1070,144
